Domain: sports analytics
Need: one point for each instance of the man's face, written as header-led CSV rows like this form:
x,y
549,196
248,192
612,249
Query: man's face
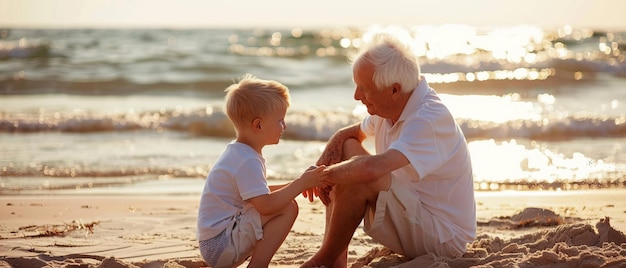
x,y
376,100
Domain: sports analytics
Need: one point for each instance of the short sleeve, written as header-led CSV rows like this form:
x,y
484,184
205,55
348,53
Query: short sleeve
x,y
250,179
417,142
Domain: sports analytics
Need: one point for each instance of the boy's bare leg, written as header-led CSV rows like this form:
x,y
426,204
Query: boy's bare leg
x,y
275,229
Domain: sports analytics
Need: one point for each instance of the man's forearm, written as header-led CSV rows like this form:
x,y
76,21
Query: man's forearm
x,y
357,169
333,153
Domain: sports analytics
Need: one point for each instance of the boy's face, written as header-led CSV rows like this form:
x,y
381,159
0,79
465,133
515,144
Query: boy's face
x,y
273,126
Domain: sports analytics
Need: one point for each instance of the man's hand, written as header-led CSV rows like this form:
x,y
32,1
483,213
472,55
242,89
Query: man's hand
x,y
324,194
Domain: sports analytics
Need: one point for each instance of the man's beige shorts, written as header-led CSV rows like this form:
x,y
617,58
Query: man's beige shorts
x,y
243,236
404,226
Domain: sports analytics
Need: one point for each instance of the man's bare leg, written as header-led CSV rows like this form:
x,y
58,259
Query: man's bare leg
x,y
342,259
343,217
344,214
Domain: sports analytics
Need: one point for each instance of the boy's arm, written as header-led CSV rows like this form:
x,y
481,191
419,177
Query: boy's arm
x,y
277,187
281,195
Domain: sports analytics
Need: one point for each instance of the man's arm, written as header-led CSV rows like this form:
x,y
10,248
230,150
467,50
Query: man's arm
x,y
333,153
366,168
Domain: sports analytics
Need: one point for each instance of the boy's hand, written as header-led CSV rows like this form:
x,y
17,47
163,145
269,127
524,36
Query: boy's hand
x,y
314,174
310,193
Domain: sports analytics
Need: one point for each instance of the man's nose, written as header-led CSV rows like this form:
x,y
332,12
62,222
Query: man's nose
x,y
357,94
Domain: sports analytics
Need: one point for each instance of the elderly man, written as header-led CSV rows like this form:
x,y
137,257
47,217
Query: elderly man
x,y
416,193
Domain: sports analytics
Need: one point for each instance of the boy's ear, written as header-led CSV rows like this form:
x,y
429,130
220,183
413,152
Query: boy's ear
x,y
256,123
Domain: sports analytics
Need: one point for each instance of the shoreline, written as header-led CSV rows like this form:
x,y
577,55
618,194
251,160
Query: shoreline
x,y
131,230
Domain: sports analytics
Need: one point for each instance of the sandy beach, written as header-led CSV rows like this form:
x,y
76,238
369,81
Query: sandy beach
x,y
107,136
515,229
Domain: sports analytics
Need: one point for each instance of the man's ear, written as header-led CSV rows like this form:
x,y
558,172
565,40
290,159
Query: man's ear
x,y
396,88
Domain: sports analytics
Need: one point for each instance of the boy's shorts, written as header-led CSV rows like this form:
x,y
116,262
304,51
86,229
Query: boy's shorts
x,y
404,226
236,243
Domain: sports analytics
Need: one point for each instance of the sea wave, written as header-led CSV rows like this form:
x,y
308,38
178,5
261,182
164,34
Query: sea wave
x,y
25,49
87,108
113,62
462,75
302,125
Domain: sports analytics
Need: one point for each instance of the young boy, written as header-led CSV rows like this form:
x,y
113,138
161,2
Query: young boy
x,y
239,214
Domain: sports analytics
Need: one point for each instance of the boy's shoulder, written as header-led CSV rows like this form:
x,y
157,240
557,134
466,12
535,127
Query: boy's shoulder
x,y
239,148
238,152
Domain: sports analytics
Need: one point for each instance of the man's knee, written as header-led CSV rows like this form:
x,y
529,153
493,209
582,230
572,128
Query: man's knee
x,y
352,143
355,192
362,192
353,147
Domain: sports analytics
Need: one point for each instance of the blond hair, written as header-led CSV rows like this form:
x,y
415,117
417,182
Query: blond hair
x,y
252,97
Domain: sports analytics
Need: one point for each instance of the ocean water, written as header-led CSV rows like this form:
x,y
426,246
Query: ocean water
x,y
139,111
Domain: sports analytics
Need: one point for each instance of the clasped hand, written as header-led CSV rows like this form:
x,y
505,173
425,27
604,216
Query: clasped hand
x,y
322,191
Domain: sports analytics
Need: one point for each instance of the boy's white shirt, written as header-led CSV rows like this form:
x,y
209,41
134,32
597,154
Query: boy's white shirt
x,y
237,176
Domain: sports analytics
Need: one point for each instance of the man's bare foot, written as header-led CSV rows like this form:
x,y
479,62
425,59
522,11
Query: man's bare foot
x,y
312,264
